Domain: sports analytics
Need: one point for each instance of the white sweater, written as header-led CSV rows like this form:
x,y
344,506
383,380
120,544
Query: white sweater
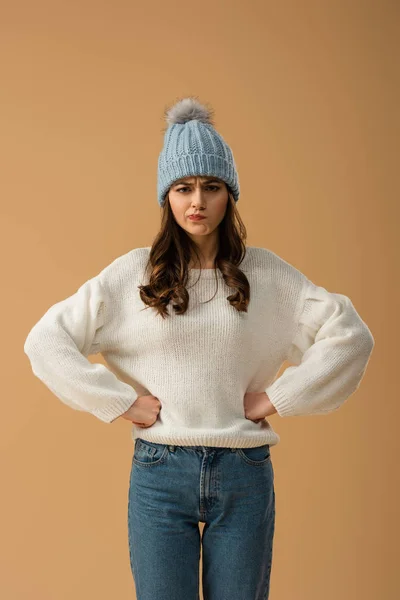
x,y
200,364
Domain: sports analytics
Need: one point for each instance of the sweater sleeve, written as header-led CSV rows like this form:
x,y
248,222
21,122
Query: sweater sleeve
x,y
330,350
58,345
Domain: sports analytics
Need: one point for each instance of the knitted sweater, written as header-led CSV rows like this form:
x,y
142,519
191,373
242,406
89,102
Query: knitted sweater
x,y
200,364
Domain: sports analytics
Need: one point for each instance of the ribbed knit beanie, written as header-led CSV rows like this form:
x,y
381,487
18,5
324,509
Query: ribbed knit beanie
x,y
193,147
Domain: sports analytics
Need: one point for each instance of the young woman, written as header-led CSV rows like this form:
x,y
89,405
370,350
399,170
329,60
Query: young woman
x,y
194,330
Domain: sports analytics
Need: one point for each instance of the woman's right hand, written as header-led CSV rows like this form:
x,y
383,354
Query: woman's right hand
x,y
144,411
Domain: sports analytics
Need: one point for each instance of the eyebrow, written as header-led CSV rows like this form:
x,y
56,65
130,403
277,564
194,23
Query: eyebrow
x,y
189,183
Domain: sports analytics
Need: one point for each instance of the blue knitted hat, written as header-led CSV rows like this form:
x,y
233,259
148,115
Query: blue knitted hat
x,y
193,147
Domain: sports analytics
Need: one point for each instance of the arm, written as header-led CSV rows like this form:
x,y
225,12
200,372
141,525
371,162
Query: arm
x,y
58,345
331,349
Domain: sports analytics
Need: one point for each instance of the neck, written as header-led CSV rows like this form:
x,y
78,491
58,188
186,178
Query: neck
x,y
207,248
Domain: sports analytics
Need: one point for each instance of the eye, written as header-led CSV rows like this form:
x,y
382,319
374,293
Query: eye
x,y
215,187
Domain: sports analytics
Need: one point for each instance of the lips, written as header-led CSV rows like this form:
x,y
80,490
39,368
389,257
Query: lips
x,y
196,217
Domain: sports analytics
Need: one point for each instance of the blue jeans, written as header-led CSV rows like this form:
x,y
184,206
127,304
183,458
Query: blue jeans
x,y
231,490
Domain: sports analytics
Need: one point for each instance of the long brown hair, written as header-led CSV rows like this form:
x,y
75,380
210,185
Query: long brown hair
x,y
172,250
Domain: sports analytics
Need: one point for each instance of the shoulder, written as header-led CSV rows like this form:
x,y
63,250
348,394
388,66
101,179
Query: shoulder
x,y
266,263
125,267
276,279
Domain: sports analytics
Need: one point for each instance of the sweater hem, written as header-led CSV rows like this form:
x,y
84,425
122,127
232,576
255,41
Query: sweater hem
x,y
209,439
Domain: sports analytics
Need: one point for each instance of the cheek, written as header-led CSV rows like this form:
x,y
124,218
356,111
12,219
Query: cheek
x,y
220,209
178,210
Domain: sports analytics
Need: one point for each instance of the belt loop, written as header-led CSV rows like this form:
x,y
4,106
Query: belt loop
x,y
171,447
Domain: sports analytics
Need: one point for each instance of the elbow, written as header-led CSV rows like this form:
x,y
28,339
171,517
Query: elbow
x,y
363,341
368,341
28,345
32,343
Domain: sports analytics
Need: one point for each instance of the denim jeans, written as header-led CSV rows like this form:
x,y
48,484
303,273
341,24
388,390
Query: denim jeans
x,y
173,488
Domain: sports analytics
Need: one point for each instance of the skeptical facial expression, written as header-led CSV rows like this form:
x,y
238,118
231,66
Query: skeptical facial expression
x,y
205,196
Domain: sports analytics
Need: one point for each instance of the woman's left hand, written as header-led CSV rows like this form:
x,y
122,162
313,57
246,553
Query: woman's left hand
x,y
257,406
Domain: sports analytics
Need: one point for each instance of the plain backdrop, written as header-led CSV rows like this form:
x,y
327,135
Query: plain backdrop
x,y
307,95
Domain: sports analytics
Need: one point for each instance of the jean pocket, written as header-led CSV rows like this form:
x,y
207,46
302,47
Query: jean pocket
x,y
259,455
149,453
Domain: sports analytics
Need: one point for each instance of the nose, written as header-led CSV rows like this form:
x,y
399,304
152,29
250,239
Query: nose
x,y
197,197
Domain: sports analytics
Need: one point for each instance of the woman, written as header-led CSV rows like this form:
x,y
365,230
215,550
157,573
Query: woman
x,y
194,330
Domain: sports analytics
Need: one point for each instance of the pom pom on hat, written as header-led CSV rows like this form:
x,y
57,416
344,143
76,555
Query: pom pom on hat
x,y
188,109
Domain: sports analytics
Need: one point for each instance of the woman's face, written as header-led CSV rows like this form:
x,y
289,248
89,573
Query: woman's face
x,y
207,196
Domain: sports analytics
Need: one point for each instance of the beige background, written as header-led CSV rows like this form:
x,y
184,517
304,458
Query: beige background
x,y
307,95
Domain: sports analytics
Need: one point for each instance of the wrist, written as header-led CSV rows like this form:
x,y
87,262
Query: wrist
x,y
269,407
